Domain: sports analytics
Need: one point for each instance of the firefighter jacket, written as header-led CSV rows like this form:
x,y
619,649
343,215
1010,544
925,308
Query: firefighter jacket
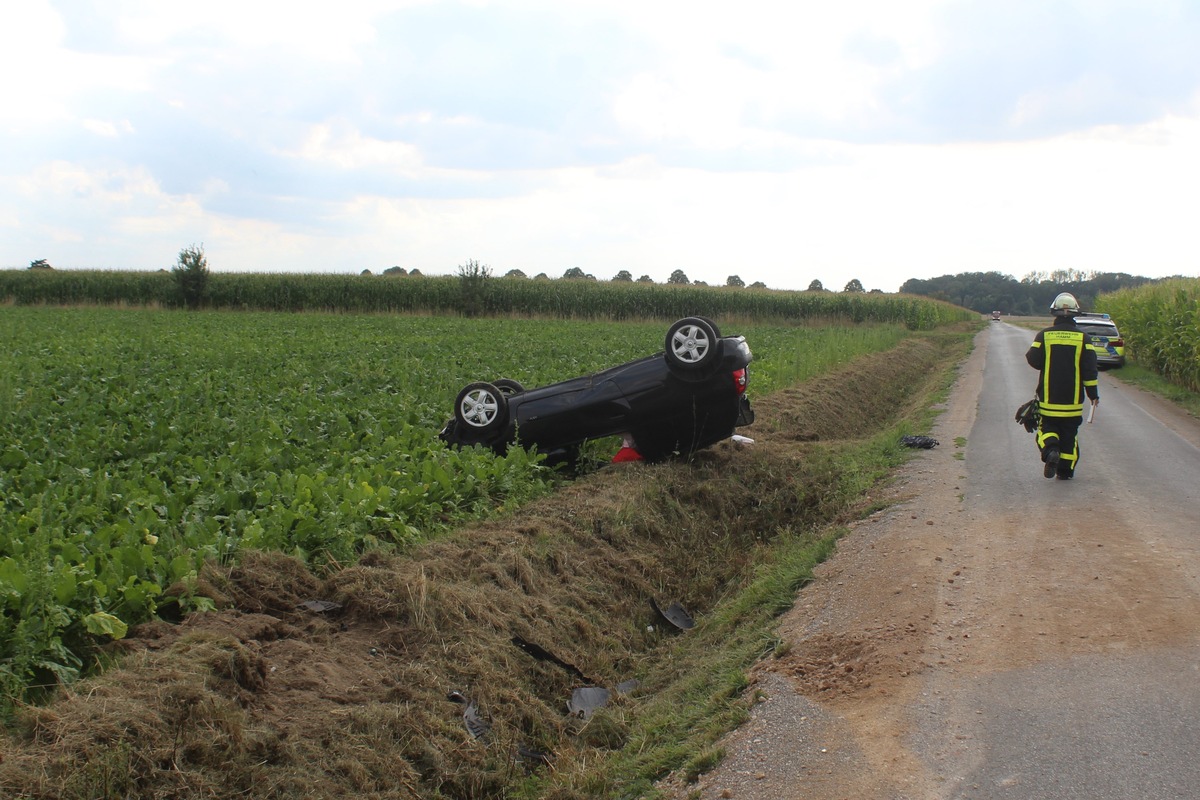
x,y
1066,360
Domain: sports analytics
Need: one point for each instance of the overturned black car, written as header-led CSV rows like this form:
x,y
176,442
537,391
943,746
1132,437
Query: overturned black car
x,y
689,396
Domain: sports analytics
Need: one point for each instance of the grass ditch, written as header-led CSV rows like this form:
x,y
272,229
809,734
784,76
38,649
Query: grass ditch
x,y
265,697
702,681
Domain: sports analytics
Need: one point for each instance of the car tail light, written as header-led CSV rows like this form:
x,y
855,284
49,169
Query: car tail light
x,y
741,377
1117,342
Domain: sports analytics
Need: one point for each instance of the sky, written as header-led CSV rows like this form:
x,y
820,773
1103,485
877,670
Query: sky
x,y
781,142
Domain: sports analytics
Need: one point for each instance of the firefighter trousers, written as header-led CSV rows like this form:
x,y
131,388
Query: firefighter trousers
x,y
1061,434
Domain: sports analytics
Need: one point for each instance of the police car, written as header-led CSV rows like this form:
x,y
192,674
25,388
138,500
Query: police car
x,y
1110,346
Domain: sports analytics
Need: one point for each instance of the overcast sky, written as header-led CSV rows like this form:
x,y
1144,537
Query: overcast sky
x,y
780,142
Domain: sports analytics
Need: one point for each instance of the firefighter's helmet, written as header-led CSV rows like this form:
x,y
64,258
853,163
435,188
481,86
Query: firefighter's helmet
x,y
1065,305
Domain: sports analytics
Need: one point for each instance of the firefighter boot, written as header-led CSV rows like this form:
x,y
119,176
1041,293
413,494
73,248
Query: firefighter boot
x,y
1051,459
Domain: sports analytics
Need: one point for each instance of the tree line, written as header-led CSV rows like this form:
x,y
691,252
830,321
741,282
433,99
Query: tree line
x,y
1030,296
676,278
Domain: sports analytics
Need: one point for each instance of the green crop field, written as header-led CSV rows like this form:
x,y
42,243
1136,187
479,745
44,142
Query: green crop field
x,y
137,444
1161,326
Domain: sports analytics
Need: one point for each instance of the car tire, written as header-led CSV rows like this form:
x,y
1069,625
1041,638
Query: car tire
x,y
716,328
480,411
508,387
691,344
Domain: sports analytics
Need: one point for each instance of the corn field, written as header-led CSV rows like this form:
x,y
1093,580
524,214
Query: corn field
x,y
560,299
1161,326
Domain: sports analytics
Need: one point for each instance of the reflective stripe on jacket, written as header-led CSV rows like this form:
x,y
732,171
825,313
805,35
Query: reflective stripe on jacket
x,y
1067,361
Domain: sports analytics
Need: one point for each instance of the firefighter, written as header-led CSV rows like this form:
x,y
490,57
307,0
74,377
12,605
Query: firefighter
x,y
1066,360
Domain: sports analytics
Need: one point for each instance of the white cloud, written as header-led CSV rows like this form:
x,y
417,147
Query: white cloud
x,y
107,128
341,146
781,142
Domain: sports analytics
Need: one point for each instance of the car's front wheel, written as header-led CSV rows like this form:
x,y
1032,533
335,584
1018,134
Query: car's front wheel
x,y
480,409
691,344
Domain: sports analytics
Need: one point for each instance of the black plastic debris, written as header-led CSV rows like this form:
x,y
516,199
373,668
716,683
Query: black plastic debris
x,y
542,654
320,606
675,615
922,442
585,700
533,758
476,725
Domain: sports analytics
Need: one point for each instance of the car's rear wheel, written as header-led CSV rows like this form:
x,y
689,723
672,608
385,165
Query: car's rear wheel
x,y
691,344
508,387
716,328
480,410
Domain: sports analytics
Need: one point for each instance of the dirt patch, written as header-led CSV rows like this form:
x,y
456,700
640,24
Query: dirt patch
x,y
365,692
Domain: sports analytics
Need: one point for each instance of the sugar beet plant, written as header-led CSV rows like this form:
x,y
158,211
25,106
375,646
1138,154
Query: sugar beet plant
x,y
136,445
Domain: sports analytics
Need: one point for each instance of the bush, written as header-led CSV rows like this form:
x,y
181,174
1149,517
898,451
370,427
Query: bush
x,y
473,278
191,275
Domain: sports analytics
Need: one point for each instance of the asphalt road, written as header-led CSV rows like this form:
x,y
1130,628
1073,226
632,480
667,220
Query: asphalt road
x,y
1099,698
1135,448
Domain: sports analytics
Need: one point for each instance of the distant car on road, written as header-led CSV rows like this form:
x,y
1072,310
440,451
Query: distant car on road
x,y
995,316
687,397
1106,338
